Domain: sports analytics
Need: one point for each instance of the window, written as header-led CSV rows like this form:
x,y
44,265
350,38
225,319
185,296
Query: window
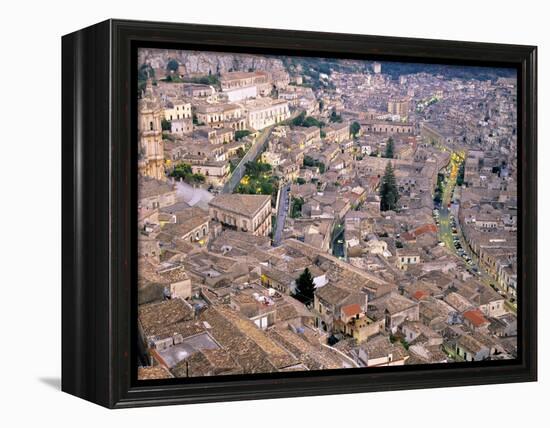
x,y
150,126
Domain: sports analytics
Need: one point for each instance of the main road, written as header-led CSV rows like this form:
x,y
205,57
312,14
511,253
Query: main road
x,y
447,236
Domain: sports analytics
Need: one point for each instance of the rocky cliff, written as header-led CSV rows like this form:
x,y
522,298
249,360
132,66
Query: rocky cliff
x,y
209,62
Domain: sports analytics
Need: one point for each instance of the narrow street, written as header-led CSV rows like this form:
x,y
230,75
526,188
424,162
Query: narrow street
x,y
281,214
338,242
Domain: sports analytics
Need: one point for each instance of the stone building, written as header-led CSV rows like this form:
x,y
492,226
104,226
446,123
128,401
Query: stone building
x,y
151,145
399,106
222,115
242,79
191,224
264,112
155,194
380,127
239,85
181,126
247,213
406,257
177,109
337,132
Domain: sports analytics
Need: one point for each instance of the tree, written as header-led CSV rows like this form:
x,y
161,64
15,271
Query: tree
x,y
334,117
199,178
241,134
166,125
173,78
389,149
145,72
255,168
460,177
172,66
305,287
388,190
311,121
296,207
209,79
321,167
266,187
306,121
309,161
299,120
182,170
354,129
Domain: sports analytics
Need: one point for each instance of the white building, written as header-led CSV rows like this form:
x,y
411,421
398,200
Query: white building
x,y
239,94
264,112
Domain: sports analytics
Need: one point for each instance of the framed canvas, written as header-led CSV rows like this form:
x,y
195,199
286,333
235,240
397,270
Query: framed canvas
x,y
252,213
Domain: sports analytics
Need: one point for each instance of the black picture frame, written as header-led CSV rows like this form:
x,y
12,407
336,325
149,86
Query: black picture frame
x,y
99,199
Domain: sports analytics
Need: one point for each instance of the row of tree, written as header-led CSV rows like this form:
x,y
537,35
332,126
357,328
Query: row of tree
x,y
184,171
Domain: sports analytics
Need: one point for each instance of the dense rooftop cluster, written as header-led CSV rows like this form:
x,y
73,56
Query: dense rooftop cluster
x,y
262,178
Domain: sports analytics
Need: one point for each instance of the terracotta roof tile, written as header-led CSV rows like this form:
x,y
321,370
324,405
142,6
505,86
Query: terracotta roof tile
x,y
351,310
420,294
475,317
247,205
